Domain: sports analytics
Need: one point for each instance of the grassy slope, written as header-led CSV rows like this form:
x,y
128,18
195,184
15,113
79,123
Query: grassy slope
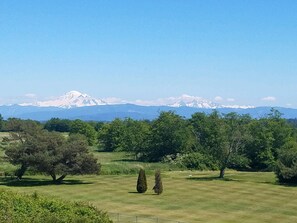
x,y
242,197
188,196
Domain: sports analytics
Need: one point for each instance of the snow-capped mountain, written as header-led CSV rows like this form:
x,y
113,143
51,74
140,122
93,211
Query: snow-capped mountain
x,y
199,102
74,99
70,100
191,101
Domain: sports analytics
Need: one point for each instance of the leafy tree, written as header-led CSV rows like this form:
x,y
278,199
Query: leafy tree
x,y
112,135
236,138
64,157
221,137
268,135
135,136
158,188
25,134
96,125
52,154
170,135
58,125
286,165
85,129
141,182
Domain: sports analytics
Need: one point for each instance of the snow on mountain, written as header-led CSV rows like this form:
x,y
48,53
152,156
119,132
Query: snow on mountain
x,y
74,99
191,101
70,100
237,106
198,102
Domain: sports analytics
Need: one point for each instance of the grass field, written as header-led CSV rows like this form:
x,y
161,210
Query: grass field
x,y
189,196
201,197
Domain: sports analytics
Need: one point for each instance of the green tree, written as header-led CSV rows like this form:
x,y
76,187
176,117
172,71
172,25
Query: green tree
x,y
52,154
220,137
58,125
135,137
80,127
236,137
286,165
69,157
141,182
1,122
268,134
158,188
170,135
25,135
111,135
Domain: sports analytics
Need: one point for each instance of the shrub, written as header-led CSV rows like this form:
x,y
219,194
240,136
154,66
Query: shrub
x,y
141,182
198,161
286,166
20,208
158,188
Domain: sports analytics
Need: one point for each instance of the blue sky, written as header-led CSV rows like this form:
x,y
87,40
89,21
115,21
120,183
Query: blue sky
x,y
244,50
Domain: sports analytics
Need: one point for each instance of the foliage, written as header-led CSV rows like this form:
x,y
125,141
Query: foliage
x,y
51,153
170,135
198,161
112,136
69,157
25,208
158,188
286,167
268,136
58,125
80,127
25,134
141,182
239,162
205,141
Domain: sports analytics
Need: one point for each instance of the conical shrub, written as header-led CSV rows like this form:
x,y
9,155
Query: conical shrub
x,y
158,188
141,182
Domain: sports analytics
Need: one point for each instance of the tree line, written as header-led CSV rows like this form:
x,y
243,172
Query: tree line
x,y
208,141
204,142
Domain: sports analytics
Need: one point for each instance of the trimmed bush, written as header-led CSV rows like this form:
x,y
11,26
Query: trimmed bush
x,y
141,182
158,188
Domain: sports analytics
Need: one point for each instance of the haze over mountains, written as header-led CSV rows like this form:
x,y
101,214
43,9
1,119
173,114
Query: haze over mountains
x,y
76,105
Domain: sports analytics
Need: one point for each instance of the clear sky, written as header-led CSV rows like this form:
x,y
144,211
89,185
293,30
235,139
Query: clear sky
x,y
148,49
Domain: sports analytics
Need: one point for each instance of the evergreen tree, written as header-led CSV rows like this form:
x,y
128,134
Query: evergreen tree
x,y
158,188
141,182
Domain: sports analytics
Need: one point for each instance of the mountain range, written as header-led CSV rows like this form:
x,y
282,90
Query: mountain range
x,y
76,105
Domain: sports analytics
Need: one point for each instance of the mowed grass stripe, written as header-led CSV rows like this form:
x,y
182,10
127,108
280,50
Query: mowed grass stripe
x,y
201,197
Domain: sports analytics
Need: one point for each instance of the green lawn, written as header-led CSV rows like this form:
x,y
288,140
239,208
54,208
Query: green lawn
x,y
188,196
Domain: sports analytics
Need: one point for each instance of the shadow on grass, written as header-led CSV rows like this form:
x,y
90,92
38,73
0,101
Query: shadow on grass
x,y
127,160
146,193
30,182
286,184
211,178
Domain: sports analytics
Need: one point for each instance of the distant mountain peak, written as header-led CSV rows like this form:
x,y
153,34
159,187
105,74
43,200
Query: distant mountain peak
x,y
70,99
73,94
191,101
